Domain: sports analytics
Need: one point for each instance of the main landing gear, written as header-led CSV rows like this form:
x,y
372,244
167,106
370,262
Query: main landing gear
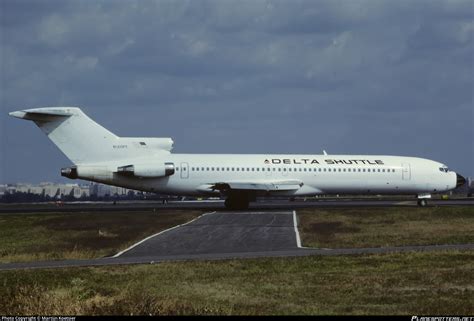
x,y
237,201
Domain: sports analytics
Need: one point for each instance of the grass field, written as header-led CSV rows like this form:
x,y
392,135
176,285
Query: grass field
x,y
394,226
436,283
57,236
33,237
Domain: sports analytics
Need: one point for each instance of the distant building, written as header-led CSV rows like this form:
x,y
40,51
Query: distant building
x,y
101,190
53,190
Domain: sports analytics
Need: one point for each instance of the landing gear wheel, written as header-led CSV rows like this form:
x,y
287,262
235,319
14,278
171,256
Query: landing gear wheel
x,y
422,202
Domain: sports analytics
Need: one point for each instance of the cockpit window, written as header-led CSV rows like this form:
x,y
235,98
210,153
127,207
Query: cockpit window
x,y
444,169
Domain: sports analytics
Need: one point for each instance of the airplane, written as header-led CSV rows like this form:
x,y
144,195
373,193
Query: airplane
x,y
147,164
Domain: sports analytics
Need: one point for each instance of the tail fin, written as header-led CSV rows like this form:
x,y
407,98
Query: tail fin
x,y
82,140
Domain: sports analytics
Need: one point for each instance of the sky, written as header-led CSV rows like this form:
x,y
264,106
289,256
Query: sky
x,y
347,76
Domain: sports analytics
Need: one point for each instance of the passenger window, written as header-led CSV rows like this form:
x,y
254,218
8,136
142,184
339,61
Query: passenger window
x,y
279,169
217,168
177,169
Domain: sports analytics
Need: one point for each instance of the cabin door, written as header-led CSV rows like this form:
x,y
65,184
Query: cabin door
x,y
184,170
406,173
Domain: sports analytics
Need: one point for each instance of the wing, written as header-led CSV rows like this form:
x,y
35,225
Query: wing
x,y
260,185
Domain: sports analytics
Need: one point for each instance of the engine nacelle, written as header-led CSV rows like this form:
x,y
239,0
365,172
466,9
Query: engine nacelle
x,y
147,170
88,172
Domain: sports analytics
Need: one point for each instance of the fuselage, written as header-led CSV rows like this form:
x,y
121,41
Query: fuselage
x,y
319,174
147,164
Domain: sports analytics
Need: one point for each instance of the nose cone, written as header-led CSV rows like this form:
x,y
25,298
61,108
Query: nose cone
x,y
460,180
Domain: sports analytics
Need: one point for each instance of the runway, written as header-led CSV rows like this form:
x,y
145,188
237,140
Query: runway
x,y
218,205
225,235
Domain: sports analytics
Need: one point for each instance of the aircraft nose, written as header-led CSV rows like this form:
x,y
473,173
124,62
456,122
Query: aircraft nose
x,y
460,180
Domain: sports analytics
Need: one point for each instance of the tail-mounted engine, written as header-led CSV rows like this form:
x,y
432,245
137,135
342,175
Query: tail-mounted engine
x,y
106,174
147,170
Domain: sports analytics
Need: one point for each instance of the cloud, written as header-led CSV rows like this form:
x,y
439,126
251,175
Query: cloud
x,y
358,76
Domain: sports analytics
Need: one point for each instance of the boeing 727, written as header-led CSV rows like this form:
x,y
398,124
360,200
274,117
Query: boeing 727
x,y
147,164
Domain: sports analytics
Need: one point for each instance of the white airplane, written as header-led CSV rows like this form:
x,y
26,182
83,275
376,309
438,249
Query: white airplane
x,y
147,164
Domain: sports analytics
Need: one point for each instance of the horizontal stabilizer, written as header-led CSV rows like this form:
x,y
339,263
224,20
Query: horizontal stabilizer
x,y
38,113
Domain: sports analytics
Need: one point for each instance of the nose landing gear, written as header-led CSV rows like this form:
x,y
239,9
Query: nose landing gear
x,y
423,199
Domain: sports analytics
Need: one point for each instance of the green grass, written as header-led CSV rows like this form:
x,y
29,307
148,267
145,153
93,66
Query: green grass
x,y
57,236
410,283
435,283
377,227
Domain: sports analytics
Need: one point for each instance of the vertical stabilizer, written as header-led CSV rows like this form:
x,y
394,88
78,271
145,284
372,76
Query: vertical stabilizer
x,y
80,138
